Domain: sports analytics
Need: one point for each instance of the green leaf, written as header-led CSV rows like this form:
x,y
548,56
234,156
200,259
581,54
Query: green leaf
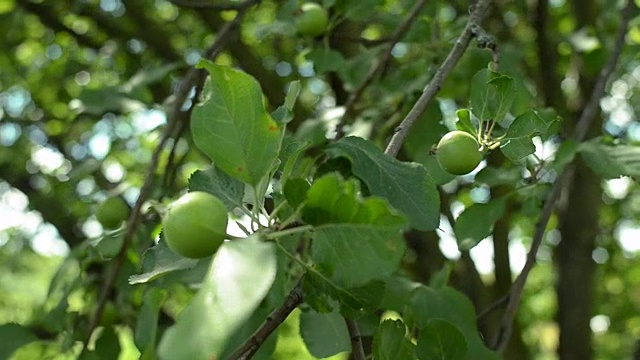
x,y
320,293
332,200
426,132
232,127
491,95
463,122
325,60
290,158
218,183
292,94
440,339
491,176
565,154
108,345
406,186
108,245
231,291
428,304
295,191
357,240
505,89
284,113
390,342
397,293
147,325
149,75
12,337
354,254
517,142
611,161
105,99
159,261
357,10
476,222
324,334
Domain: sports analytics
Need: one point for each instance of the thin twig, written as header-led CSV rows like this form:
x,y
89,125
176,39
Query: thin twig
x,y
495,305
477,14
356,340
585,121
271,323
193,78
384,60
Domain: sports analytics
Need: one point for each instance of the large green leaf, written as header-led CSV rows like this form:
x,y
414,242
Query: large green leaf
x,y
12,337
354,254
147,326
428,304
517,142
357,240
226,188
406,186
159,261
611,161
390,342
440,339
324,334
232,126
240,276
476,222
491,95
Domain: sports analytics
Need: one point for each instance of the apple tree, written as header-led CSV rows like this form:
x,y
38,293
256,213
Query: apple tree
x,y
290,179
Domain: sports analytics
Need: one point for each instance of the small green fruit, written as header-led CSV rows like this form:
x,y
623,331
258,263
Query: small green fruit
x,y
313,20
195,225
112,212
458,153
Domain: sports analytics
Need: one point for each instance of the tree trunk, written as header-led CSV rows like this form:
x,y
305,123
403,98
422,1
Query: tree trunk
x,y
578,227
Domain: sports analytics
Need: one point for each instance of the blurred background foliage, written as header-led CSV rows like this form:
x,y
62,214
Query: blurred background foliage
x,y
85,86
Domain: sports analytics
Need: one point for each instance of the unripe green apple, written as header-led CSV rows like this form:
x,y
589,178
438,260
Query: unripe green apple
x,y
312,20
195,225
458,153
112,212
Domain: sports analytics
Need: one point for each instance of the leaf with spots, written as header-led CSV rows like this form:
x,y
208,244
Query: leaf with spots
x,y
232,127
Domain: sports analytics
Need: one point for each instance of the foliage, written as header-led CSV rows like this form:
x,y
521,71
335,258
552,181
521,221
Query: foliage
x,y
332,241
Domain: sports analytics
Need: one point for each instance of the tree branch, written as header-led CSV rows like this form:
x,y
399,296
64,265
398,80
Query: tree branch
x,y
384,60
477,14
271,323
356,340
194,78
582,127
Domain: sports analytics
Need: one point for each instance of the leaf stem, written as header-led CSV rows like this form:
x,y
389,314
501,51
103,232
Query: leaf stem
x,y
295,230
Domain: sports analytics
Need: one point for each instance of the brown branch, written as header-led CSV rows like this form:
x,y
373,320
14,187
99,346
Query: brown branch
x,y
356,340
271,323
194,78
585,121
434,86
384,60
